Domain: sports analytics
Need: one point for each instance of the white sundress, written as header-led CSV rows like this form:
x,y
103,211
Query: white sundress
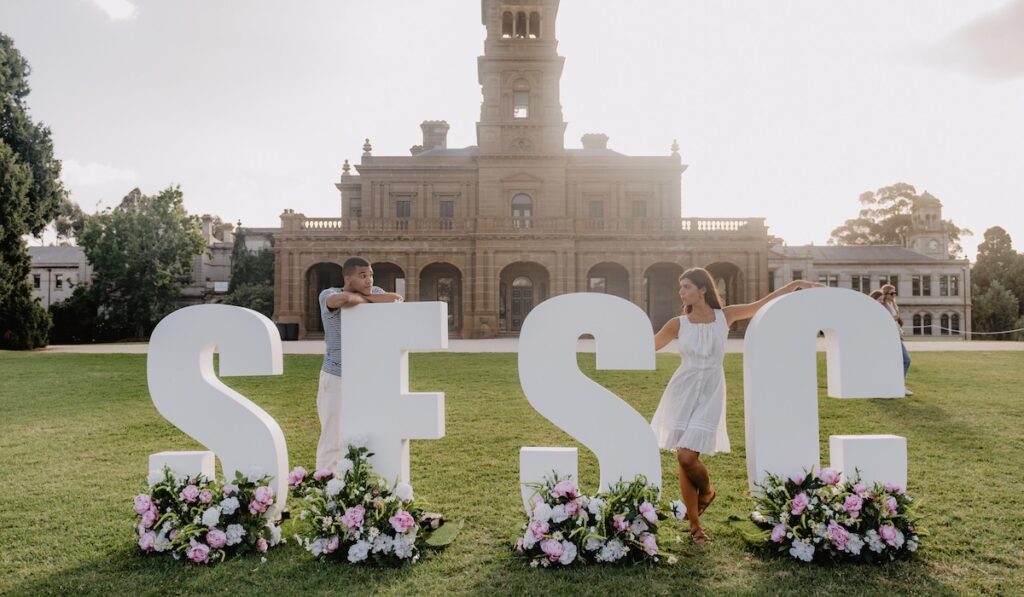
x,y
691,413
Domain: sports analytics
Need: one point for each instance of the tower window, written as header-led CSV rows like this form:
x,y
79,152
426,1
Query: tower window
x,y
520,104
521,25
534,25
506,25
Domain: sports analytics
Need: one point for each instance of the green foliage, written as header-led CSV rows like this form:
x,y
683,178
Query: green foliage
x,y
252,278
884,219
30,194
997,261
258,297
79,319
996,309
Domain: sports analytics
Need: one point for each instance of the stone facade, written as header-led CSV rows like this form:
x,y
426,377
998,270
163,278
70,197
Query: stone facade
x,y
56,271
495,228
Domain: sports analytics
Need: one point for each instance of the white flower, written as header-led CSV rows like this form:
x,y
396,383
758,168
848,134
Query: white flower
x,y
672,560
317,547
154,478
802,550
211,517
912,544
359,441
593,544
854,544
558,513
638,526
679,510
230,488
358,551
344,467
595,506
334,486
529,540
404,492
542,512
383,544
228,506
874,542
372,533
254,474
275,534
162,543
235,532
611,552
403,546
568,553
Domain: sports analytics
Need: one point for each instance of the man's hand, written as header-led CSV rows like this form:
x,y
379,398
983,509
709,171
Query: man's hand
x,y
387,297
345,299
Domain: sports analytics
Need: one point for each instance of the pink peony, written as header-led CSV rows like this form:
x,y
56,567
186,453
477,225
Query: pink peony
x,y
205,497
838,535
190,494
778,533
891,507
829,476
893,488
353,517
648,512
322,474
564,487
800,503
149,518
572,508
264,495
332,544
261,545
297,476
539,529
402,521
198,552
650,544
257,507
519,546
860,489
887,533
216,538
146,541
853,504
229,489
142,503
620,523
553,548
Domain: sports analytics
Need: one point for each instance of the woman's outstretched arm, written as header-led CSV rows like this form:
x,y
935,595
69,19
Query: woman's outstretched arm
x,y
668,333
734,313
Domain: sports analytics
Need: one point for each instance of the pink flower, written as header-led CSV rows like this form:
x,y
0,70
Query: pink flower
x,y
829,476
353,517
519,545
142,503
893,488
229,489
565,487
402,521
891,507
650,544
860,489
553,548
216,538
572,508
190,494
888,533
620,523
261,545
149,518
205,497
798,479
838,535
648,512
322,474
198,552
264,495
332,544
778,533
800,503
853,504
297,476
539,529
172,534
257,507
146,541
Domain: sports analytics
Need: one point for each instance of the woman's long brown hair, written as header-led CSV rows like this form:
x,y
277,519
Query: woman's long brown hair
x,y
702,279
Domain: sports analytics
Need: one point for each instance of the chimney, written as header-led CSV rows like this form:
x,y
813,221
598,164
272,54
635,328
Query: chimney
x,y
594,141
207,227
435,134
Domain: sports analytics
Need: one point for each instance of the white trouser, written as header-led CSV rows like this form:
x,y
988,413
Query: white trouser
x,y
328,406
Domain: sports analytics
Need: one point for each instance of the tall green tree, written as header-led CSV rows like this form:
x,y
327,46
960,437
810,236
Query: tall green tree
x,y
30,194
998,262
884,219
252,277
995,309
142,253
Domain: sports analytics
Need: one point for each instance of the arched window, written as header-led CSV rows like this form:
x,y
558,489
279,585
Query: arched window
x,y
954,324
917,324
522,282
506,25
944,325
927,324
521,25
522,210
534,25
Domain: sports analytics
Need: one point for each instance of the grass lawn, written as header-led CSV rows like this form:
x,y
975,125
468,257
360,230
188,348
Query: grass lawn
x,y
76,432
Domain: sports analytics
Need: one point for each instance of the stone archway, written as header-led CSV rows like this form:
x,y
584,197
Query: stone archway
x,y
443,282
661,293
524,284
318,277
729,279
610,278
389,276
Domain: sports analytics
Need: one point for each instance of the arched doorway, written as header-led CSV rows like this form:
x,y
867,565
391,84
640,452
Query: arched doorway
x,y
318,277
609,278
523,285
661,293
389,276
443,282
729,280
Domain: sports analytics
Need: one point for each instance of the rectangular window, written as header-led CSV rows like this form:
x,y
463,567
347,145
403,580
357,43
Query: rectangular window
x,y
771,280
447,213
926,285
403,209
355,208
798,274
949,286
915,286
829,280
599,284
36,280
520,104
58,281
861,284
597,209
954,286
639,209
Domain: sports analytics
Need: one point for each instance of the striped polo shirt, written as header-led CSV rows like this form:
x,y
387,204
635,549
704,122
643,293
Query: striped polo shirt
x,y
332,330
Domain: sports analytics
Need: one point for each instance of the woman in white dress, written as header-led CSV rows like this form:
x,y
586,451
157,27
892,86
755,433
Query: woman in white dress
x,y
690,419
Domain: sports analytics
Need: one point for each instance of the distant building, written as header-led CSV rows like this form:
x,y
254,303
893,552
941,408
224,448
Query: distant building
x,y
211,270
56,271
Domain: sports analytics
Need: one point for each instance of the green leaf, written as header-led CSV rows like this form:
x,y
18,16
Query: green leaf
x,y
748,531
445,534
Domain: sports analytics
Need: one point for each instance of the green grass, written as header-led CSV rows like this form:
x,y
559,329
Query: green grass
x,y
76,432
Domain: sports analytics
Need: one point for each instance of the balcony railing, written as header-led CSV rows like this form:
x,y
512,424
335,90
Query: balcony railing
x,y
531,225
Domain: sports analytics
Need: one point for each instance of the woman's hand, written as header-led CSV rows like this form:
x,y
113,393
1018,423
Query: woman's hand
x,y
801,284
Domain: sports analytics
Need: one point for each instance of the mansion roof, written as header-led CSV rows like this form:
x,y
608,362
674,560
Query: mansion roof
x,y
853,254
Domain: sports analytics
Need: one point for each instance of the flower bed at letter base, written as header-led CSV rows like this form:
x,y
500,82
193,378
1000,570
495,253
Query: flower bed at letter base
x,y
826,518
618,526
351,514
205,521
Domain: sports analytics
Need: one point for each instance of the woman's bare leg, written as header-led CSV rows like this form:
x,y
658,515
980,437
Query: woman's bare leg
x,y
687,488
697,474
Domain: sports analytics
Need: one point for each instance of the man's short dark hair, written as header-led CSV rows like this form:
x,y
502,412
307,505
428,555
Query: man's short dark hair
x,y
351,264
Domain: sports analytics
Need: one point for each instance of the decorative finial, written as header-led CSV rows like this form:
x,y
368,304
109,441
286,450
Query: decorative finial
x,y
367,148
675,147
345,168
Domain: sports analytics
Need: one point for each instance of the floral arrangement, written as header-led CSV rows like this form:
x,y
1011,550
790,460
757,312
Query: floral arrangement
x,y
205,521
351,514
826,518
619,526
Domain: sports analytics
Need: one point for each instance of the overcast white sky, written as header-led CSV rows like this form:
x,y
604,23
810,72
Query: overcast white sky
x,y
784,110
